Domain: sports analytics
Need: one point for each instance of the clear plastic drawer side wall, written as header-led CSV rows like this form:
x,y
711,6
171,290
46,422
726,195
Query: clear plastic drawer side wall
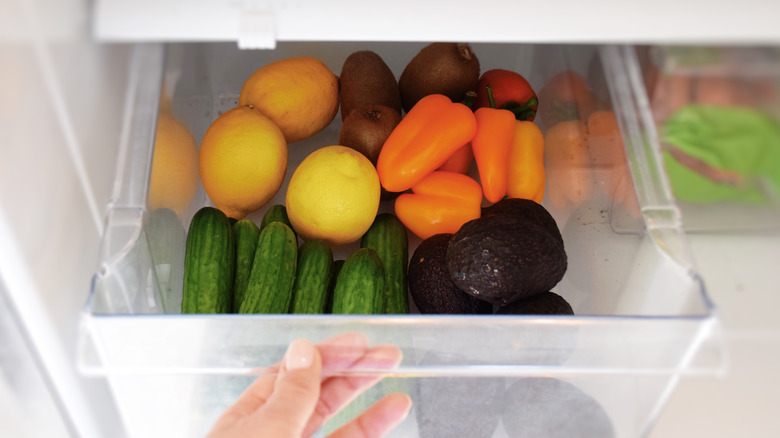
x,y
717,113
642,315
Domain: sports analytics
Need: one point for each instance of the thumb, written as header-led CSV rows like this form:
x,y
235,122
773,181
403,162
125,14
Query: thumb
x,y
295,394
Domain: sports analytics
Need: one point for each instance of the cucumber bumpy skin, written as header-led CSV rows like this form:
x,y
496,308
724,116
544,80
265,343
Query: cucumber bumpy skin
x,y
208,263
247,234
360,286
273,271
387,236
277,213
312,279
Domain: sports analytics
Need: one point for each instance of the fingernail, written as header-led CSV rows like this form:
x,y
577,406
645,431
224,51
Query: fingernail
x,y
300,355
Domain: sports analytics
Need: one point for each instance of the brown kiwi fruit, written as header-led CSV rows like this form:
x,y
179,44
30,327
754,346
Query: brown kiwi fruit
x,y
451,69
367,127
366,80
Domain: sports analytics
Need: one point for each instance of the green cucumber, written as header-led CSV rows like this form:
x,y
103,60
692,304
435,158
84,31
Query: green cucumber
x,y
247,234
209,260
273,271
277,213
387,236
360,286
312,278
334,274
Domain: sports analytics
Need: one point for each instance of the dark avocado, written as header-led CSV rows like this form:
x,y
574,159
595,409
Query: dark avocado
x,y
543,407
545,303
527,209
452,407
451,69
503,258
431,286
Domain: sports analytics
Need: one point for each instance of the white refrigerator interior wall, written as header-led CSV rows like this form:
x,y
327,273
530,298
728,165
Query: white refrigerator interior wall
x,y
27,407
60,114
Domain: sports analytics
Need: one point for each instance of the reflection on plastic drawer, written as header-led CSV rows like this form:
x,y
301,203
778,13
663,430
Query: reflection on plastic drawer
x,y
717,112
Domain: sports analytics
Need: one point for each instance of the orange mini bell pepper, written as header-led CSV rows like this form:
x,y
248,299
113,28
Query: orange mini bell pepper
x,y
441,203
509,155
491,145
460,161
425,139
526,163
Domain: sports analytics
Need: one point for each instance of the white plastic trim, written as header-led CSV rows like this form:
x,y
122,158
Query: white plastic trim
x,y
595,21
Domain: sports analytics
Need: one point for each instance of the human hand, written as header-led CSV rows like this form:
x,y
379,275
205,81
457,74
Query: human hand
x,y
294,399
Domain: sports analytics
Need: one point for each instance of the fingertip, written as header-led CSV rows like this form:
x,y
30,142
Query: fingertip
x,y
400,403
294,392
395,408
299,355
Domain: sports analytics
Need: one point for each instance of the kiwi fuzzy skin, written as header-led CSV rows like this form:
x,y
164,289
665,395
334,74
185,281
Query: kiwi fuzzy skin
x,y
366,128
366,80
451,69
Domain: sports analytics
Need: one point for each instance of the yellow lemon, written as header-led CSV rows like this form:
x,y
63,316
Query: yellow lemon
x,y
243,160
300,95
333,195
174,176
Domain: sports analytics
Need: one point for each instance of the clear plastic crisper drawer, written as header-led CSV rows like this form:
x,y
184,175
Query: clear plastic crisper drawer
x,y
717,113
642,315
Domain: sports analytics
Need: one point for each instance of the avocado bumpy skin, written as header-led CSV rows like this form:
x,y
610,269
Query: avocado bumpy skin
x,y
545,303
502,258
527,209
430,285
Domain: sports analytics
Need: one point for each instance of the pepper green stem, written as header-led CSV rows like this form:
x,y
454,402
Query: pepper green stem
x,y
524,111
469,99
491,100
